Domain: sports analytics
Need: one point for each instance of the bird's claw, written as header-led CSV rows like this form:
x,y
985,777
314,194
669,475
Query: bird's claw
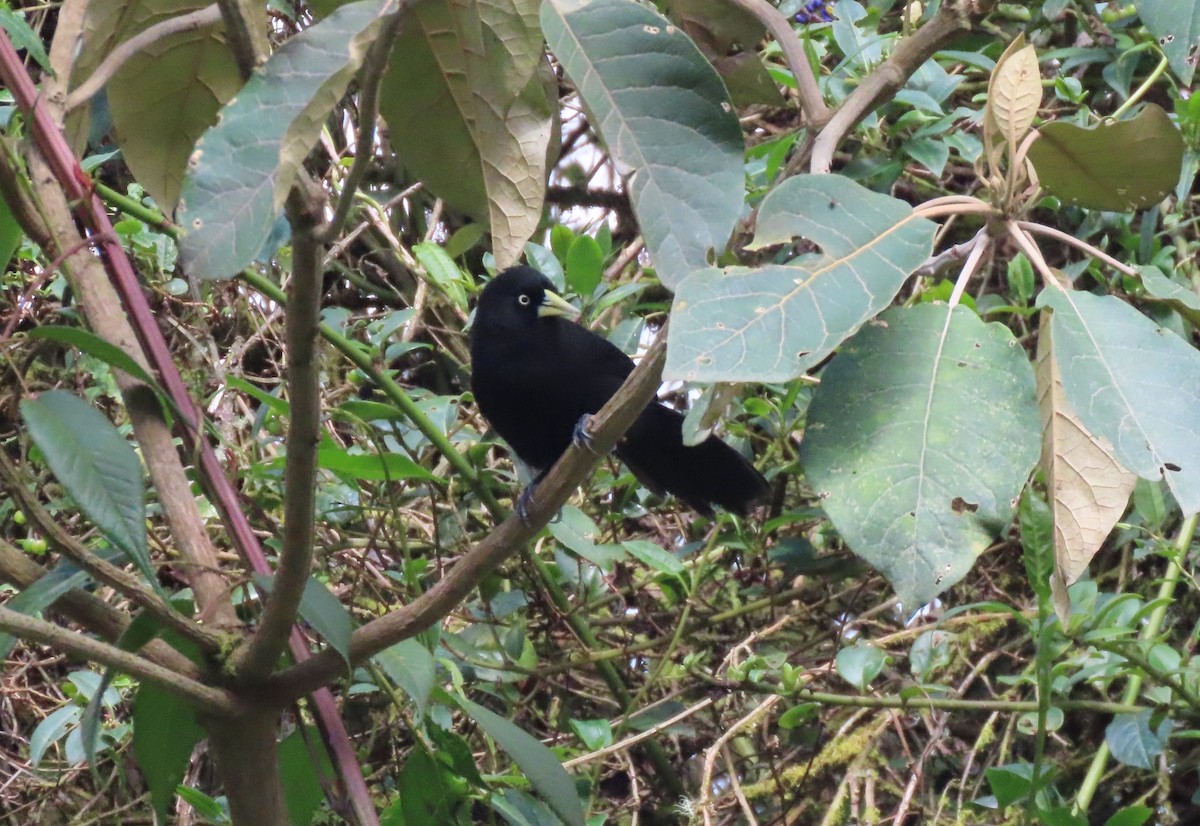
x,y
582,437
524,503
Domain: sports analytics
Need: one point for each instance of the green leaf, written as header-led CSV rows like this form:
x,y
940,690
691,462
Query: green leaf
x,y
1037,542
443,271
1176,26
164,733
1010,783
536,761
666,120
410,665
242,168
23,37
519,809
302,791
595,734
919,440
322,610
90,343
474,75
1133,742
585,265
165,96
772,323
859,664
1130,816
51,729
654,557
1134,383
1119,166
373,466
97,466
425,794
576,531
10,233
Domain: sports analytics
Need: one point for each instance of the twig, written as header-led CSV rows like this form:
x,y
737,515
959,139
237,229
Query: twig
x,y
811,101
102,571
1079,244
119,56
373,68
909,55
609,425
260,654
204,698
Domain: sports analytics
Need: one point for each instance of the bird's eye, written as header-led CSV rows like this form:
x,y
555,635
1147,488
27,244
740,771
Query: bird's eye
x,y
523,300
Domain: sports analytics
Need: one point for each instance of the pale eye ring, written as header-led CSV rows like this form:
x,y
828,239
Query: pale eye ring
x,y
523,300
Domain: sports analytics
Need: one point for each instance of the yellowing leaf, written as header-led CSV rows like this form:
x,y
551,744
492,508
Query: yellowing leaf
x,y
1016,93
1089,489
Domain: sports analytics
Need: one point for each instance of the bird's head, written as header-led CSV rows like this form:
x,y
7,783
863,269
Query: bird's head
x,y
520,298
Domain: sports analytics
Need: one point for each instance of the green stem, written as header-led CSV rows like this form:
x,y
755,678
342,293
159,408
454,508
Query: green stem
x,y
1154,623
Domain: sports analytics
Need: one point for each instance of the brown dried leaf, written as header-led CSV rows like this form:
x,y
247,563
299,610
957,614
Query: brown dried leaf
x,y
1088,488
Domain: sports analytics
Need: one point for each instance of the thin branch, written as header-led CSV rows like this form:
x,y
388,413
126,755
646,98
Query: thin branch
x,y
1079,244
952,18
204,698
124,583
121,55
374,66
255,660
573,466
88,610
811,102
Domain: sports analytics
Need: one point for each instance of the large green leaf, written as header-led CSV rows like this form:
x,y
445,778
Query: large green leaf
x,y
919,439
410,665
299,754
166,95
96,465
537,762
1118,166
164,733
666,119
473,73
774,322
1176,24
1134,383
242,168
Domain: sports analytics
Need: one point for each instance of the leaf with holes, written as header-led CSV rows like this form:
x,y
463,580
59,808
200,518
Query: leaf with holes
x,y
1176,25
1133,383
774,322
919,440
666,119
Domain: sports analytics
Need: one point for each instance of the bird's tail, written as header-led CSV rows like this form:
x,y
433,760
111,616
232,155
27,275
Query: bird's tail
x,y
710,473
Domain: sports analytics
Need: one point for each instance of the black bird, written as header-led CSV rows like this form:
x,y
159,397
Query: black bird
x,y
536,374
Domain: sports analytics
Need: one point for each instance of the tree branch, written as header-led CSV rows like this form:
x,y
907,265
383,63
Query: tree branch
x,y
811,102
202,697
91,612
119,56
910,54
608,426
258,657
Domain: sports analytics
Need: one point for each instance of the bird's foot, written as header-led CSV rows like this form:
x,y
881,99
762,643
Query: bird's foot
x,y
525,502
582,436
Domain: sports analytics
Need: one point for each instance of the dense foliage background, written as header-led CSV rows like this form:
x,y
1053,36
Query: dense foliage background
x,y
932,265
